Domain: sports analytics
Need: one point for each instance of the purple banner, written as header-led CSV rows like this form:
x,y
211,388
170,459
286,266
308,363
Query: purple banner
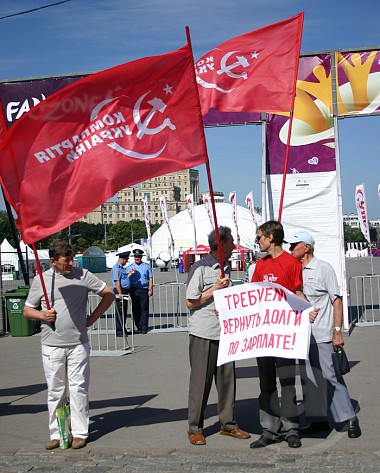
x,y
358,82
312,139
214,118
18,97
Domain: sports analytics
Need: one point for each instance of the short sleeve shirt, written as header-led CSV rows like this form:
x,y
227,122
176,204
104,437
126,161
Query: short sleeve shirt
x,y
203,321
68,294
140,279
321,288
118,273
285,270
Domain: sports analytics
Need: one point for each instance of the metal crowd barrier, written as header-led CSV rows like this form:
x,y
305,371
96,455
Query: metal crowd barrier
x,y
168,311
102,335
364,300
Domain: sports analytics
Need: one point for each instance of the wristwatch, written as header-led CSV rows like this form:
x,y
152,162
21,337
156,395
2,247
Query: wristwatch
x,y
337,329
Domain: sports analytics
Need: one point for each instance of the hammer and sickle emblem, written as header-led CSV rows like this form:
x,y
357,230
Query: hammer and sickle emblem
x,y
157,106
224,69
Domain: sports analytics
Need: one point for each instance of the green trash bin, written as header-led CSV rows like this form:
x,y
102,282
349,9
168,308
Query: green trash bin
x,y
15,301
236,282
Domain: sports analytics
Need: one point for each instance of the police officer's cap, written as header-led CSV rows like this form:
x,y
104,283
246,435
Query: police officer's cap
x,y
124,254
137,252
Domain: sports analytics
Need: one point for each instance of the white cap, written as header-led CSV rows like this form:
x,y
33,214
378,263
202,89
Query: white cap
x,y
301,235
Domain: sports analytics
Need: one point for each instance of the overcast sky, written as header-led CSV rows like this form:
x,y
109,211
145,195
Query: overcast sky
x,y
91,35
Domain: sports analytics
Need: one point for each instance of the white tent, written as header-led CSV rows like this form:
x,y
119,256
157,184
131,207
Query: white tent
x,y
8,254
131,247
181,227
42,254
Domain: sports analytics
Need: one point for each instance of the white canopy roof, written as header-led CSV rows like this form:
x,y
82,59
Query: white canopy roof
x,y
131,247
181,227
8,253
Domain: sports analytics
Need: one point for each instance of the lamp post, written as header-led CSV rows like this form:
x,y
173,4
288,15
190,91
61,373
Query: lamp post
x,y
132,234
72,236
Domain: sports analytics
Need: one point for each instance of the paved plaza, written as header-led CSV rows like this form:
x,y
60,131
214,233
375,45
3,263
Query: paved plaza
x,y
138,413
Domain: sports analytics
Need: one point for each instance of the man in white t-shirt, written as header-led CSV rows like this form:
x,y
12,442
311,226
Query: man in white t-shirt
x,y
64,338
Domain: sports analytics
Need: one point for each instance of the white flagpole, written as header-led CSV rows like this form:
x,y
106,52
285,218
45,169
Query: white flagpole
x,y
361,208
250,205
208,207
232,199
147,223
166,220
190,209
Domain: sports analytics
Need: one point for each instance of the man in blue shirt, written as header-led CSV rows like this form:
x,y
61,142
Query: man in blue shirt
x,y
121,285
141,289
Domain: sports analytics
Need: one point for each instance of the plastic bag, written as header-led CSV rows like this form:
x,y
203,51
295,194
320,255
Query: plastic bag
x,y
64,423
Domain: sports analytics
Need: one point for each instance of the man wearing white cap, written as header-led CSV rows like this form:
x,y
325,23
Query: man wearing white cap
x,y
325,394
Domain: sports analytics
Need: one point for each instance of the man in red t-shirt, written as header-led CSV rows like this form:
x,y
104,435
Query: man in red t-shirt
x,y
279,421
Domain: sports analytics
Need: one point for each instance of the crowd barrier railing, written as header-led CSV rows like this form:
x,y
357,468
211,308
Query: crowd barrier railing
x,y
102,334
364,300
168,311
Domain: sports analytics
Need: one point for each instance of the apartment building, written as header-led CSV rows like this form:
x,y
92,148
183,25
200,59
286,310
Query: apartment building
x,y
129,205
352,220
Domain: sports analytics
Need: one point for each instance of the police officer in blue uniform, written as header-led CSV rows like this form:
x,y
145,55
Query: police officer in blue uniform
x,y
141,289
121,285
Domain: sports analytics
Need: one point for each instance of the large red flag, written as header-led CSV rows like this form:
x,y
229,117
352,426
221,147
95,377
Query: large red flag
x,y
110,130
254,72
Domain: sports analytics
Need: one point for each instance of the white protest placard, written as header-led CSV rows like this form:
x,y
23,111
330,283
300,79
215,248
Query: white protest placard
x,y
262,319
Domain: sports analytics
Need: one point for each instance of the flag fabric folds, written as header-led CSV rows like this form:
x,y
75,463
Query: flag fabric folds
x,y
254,72
107,131
165,216
190,209
233,202
208,207
361,208
250,205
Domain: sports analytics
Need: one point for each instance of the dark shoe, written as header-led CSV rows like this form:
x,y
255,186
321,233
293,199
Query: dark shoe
x,y
144,332
78,443
315,427
354,430
52,444
235,433
294,441
264,441
120,334
196,439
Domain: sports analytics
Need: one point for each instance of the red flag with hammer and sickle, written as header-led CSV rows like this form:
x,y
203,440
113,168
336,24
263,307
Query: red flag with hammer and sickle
x,y
119,127
254,72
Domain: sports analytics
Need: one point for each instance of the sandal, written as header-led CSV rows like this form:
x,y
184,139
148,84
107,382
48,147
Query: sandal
x,y
235,433
196,439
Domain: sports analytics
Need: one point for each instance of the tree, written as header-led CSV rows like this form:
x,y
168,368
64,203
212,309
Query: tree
x,y
119,234
5,228
352,234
